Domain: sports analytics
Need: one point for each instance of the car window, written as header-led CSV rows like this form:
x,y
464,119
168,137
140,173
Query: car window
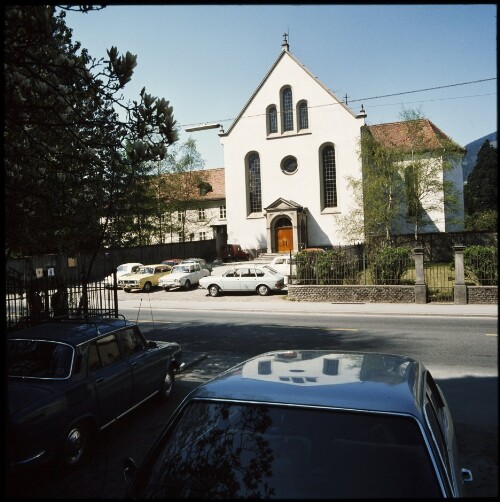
x,y
264,451
38,359
108,350
232,273
247,272
130,342
136,268
260,273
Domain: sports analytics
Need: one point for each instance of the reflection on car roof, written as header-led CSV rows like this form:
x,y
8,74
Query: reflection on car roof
x,y
371,381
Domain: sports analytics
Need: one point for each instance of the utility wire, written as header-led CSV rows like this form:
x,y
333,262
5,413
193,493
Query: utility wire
x,y
373,97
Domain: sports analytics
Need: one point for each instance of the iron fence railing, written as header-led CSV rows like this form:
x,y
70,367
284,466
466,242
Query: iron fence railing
x,y
37,300
321,269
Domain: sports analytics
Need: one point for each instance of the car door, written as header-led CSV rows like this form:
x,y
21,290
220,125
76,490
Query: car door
x,y
147,371
248,279
112,377
231,281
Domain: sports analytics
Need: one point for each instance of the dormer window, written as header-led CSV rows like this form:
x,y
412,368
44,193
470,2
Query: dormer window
x,y
204,188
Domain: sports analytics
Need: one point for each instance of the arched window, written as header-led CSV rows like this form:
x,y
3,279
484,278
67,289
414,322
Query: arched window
x,y
329,177
303,119
272,120
254,187
287,107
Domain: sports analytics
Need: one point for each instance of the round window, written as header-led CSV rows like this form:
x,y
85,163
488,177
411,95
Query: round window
x,y
289,165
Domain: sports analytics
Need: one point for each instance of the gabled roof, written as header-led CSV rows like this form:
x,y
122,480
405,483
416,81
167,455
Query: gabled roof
x,y
398,135
213,179
281,204
284,53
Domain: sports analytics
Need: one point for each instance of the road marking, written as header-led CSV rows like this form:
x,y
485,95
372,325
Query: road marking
x,y
491,334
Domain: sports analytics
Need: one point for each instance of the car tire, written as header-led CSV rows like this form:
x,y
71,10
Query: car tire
x,y
127,290
167,385
166,290
147,287
263,290
75,445
213,290
187,286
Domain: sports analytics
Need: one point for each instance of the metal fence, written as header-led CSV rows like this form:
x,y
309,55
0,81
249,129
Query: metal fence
x,y
324,269
36,300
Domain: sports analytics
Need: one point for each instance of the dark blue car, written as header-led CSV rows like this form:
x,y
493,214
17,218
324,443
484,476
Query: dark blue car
x,y
70,379
307,424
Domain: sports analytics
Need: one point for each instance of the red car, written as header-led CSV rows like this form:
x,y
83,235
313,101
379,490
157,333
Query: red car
x,y
231,252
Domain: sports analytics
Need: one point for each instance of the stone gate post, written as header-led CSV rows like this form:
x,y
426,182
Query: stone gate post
x,y
459,289
420,286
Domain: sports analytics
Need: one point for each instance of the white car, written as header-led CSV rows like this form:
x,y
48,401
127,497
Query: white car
x,y
125,268
281,263
260,278
183,276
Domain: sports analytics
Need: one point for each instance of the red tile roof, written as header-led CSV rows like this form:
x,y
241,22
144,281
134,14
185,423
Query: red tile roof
x,y
213,177
398,135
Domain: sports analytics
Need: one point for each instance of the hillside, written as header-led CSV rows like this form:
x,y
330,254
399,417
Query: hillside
x,y
472,149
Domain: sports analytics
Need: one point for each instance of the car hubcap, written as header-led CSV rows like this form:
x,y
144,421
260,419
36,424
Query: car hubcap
x,y
74,446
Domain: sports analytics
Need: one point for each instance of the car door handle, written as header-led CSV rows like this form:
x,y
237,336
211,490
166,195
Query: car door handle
x,y
99,380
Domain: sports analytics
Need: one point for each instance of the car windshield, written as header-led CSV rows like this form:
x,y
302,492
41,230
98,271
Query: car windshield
x,y
146,270
181,269
232,450
122,268
38,359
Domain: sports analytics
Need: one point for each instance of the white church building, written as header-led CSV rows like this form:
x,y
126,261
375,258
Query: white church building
x,y
287,157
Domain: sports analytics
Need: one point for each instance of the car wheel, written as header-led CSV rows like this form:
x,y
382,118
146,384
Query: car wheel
x,y
167,385
187,286
213,290
147,287
126,290
75,445
166,289
263,290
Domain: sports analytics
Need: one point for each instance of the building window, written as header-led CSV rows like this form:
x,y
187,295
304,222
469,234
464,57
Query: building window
x,y
289,165
222,212
203,236
272,120
191,237
181,216
303,116
287,107
329,177
254,184
201,214
181,237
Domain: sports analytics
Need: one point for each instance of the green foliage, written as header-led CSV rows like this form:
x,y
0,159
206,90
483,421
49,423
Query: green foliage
x,y
336,266
65,159
481,264
481,189
484,221
389,264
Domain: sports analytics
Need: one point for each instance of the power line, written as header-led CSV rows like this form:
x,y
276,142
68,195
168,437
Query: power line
x,y
378,97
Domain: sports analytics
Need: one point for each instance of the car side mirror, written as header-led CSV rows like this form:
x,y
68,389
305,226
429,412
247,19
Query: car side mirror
x,y
466,475
152,345
129,469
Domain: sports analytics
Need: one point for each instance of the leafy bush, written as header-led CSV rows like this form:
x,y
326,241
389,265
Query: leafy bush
x,y
481,264
388,265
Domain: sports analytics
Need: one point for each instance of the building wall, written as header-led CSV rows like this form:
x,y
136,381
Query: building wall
x,y
329,121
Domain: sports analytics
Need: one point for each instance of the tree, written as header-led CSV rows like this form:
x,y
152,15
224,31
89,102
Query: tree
x,y
404,178
65,130
481,191
427,188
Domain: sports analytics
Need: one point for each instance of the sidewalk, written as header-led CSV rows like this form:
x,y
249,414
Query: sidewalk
x,y
198,300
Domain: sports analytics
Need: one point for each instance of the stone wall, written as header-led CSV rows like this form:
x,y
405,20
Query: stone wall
x,y
378,294
351,294
482,294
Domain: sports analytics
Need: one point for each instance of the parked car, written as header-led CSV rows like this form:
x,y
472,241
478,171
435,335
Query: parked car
x,y
233,252
68,380
185,275
201,261
121,270
310,424
171,262
262,279
284,265
146,278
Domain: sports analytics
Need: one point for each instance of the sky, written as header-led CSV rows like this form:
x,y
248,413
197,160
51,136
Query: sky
x,y
207,60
